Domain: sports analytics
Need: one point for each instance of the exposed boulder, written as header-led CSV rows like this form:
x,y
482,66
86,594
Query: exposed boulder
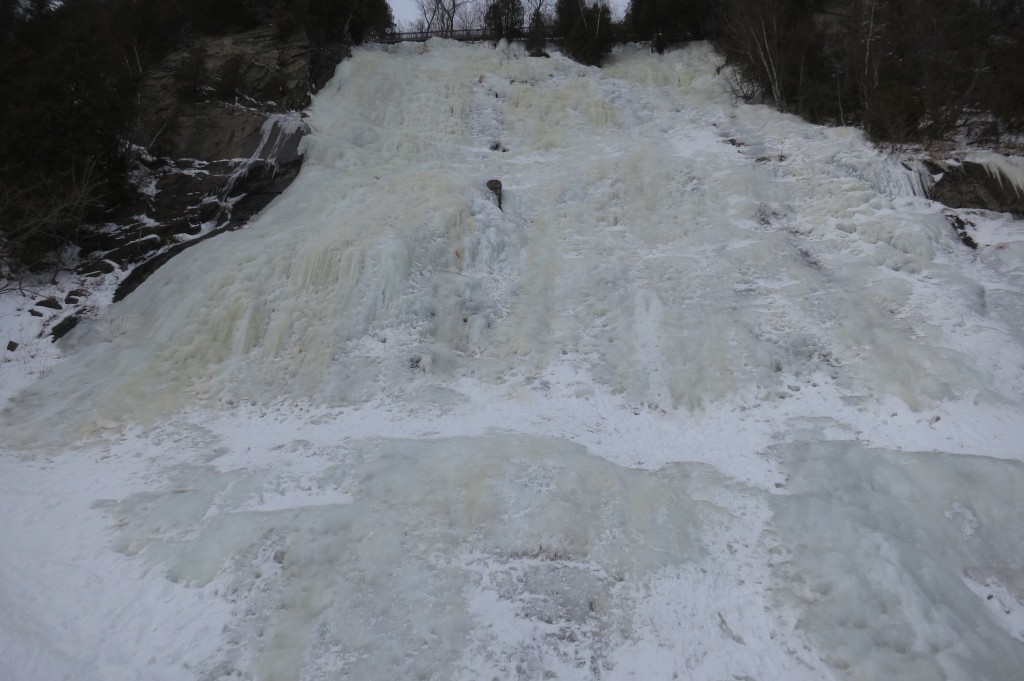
x,y
495,186
61,328
968,184
96,268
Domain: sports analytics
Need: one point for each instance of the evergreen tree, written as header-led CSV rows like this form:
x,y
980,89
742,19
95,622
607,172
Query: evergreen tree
x,y
69,72
504,19
67,101
9,17
536,35
666,22
1002,89
588,32
567,13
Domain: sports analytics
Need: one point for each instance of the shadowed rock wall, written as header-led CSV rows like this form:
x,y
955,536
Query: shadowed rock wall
x,y
216,139
966,184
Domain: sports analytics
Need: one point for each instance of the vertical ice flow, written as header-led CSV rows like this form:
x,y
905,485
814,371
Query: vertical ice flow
x,y
647,219
717,394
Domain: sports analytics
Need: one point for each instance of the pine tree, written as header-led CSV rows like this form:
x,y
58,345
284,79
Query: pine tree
x,y
536,35
587,31
666,22
504,19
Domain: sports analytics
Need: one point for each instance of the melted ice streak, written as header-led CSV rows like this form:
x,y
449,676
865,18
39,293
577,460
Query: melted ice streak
x,y
715,396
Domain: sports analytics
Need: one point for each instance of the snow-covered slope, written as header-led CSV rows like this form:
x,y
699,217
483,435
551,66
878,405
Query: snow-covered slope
x,y
715,395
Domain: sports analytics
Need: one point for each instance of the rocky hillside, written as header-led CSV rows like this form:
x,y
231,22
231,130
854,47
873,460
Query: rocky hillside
x,y
217,138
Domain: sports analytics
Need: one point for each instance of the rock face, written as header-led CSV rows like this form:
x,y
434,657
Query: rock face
x,y
217,138
966,184
495,186
209,101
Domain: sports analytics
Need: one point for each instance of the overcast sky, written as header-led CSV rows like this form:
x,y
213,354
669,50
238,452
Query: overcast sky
x,y
406,12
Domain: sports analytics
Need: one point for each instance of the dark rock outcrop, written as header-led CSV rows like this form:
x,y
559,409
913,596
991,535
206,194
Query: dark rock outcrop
x,y
140,273
216,140
966,184
61,328
960,226
238,128
218,112
495,186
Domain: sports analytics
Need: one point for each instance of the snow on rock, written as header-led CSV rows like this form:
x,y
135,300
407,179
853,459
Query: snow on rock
x,y
717,394
1009,169
977,179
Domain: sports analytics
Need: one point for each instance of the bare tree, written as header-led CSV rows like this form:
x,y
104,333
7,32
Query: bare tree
x,y
428,14
769,42
470,15
38,219
441,16
755,30
542,6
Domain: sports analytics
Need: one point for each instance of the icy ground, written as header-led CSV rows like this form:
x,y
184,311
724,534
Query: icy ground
x,y
715,396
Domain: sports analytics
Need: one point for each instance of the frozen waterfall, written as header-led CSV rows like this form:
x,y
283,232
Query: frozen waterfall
x,y
713,395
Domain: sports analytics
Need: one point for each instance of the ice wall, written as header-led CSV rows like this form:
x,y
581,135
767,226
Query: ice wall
x,y
715,395
679,248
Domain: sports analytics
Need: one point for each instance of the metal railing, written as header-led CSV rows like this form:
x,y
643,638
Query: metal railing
x,y
463,35
466,35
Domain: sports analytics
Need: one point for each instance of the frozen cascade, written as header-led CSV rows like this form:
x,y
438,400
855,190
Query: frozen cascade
x,y
717,394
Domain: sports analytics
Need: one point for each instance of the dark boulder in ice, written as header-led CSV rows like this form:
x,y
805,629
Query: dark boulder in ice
x,y
495,186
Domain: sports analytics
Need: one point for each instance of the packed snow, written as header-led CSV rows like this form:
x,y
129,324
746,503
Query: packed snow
x,y
715,395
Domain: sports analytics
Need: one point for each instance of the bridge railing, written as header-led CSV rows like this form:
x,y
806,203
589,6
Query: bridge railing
x,y
464,35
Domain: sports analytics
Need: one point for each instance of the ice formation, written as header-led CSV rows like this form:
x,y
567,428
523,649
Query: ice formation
x,y
716,394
